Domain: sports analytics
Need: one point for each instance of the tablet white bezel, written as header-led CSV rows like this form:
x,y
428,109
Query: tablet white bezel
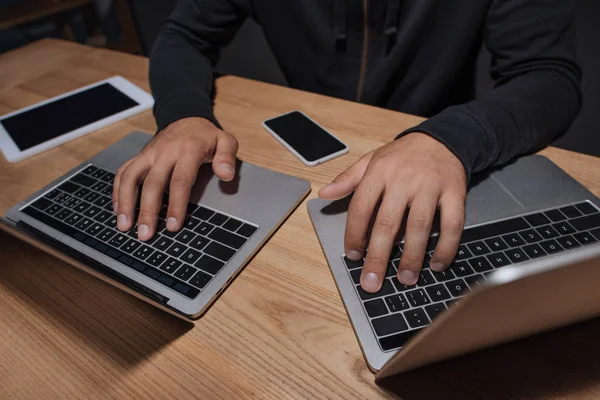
x,y
13,154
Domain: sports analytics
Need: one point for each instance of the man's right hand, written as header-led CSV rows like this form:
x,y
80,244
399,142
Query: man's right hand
x,y
173,157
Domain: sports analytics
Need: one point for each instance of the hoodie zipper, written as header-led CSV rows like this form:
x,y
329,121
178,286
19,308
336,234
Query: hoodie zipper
x,y
365,50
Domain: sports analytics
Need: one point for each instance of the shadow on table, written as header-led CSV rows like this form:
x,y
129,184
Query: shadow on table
x,y
83,308
556,364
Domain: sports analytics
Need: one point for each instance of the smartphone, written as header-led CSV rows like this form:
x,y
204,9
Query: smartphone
x,y
306,139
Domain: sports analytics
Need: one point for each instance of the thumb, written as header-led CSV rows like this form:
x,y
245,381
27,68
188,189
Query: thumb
x,y
224,160
346,182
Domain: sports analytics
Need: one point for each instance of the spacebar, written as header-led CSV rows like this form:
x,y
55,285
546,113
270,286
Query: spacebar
x,y
495,229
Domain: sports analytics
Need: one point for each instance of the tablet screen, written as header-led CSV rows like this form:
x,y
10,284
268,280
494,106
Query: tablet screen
x,y
43,123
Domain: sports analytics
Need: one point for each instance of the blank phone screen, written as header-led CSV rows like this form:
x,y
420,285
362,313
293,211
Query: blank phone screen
x,y
310,140
46,122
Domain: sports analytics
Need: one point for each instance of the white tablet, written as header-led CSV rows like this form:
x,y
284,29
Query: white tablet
x,y
50,123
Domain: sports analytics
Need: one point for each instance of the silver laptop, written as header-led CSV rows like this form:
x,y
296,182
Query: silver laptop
x,y
182,273
529,261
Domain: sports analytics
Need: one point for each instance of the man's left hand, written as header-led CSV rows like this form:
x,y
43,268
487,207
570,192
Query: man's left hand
x,y
414,174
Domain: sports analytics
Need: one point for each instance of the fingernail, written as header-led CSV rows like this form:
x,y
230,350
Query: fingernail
x,y
408,277
122,221
115,206
370,282
437,266
353,255
225,168
172,224
143,232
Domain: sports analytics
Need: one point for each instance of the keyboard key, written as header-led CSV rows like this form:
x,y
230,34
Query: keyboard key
x,y
185,272
83,224
463,253
219,251
81,193
461,268
73,219
375,308
513,240
478,248
156,259
400,286
494,229
534,251
531,236
162,243
353,264
81,207
63,214
355,275
218,219
95,229
547,232
107,191
143,252
176,249
92,211
438,292
498,260
199,242
131,246
108,177
106,235
72,202
97,174
209,264
555,215
551,246
425,278
452,303
516,255
200,280
433,310
191,223
417,297
586,208
584,238
111,222
83,180
390,324
416,318
246,230
232,224
537,219
151,272
90,170
568,242
191,256
475,280
227,238
203,213
386,290
98,186
443,276
571,212
103,216
52,194
92,197
53,209
171,265
397,302
480,264
166,280
204,228
41,204
102,201
458,287
118,240
496,244
396,341
564,228
586,222
185,236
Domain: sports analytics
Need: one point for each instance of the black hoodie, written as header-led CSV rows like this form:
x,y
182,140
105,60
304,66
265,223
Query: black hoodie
x,y
414,56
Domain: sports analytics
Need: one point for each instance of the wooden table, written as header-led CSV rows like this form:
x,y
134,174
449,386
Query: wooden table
x,y
280,330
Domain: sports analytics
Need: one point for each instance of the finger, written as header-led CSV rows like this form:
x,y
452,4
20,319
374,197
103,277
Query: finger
x,y
346,182
224,159
360,212
129,185
152,193
116,184
452,221
182,180
383,236
418,228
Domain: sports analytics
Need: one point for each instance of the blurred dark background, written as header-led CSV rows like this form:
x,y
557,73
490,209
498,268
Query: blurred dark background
x,y
132,25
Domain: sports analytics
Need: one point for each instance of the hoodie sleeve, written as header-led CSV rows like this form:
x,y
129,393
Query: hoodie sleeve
x,y
536,95
184,54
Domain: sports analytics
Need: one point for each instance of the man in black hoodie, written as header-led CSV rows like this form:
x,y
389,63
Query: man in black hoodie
x,y
414,56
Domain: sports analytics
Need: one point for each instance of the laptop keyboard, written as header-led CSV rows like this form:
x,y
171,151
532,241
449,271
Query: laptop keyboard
x,y
185,261
397,311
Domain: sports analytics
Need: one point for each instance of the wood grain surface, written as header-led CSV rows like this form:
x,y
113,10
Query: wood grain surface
x,y
280,330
